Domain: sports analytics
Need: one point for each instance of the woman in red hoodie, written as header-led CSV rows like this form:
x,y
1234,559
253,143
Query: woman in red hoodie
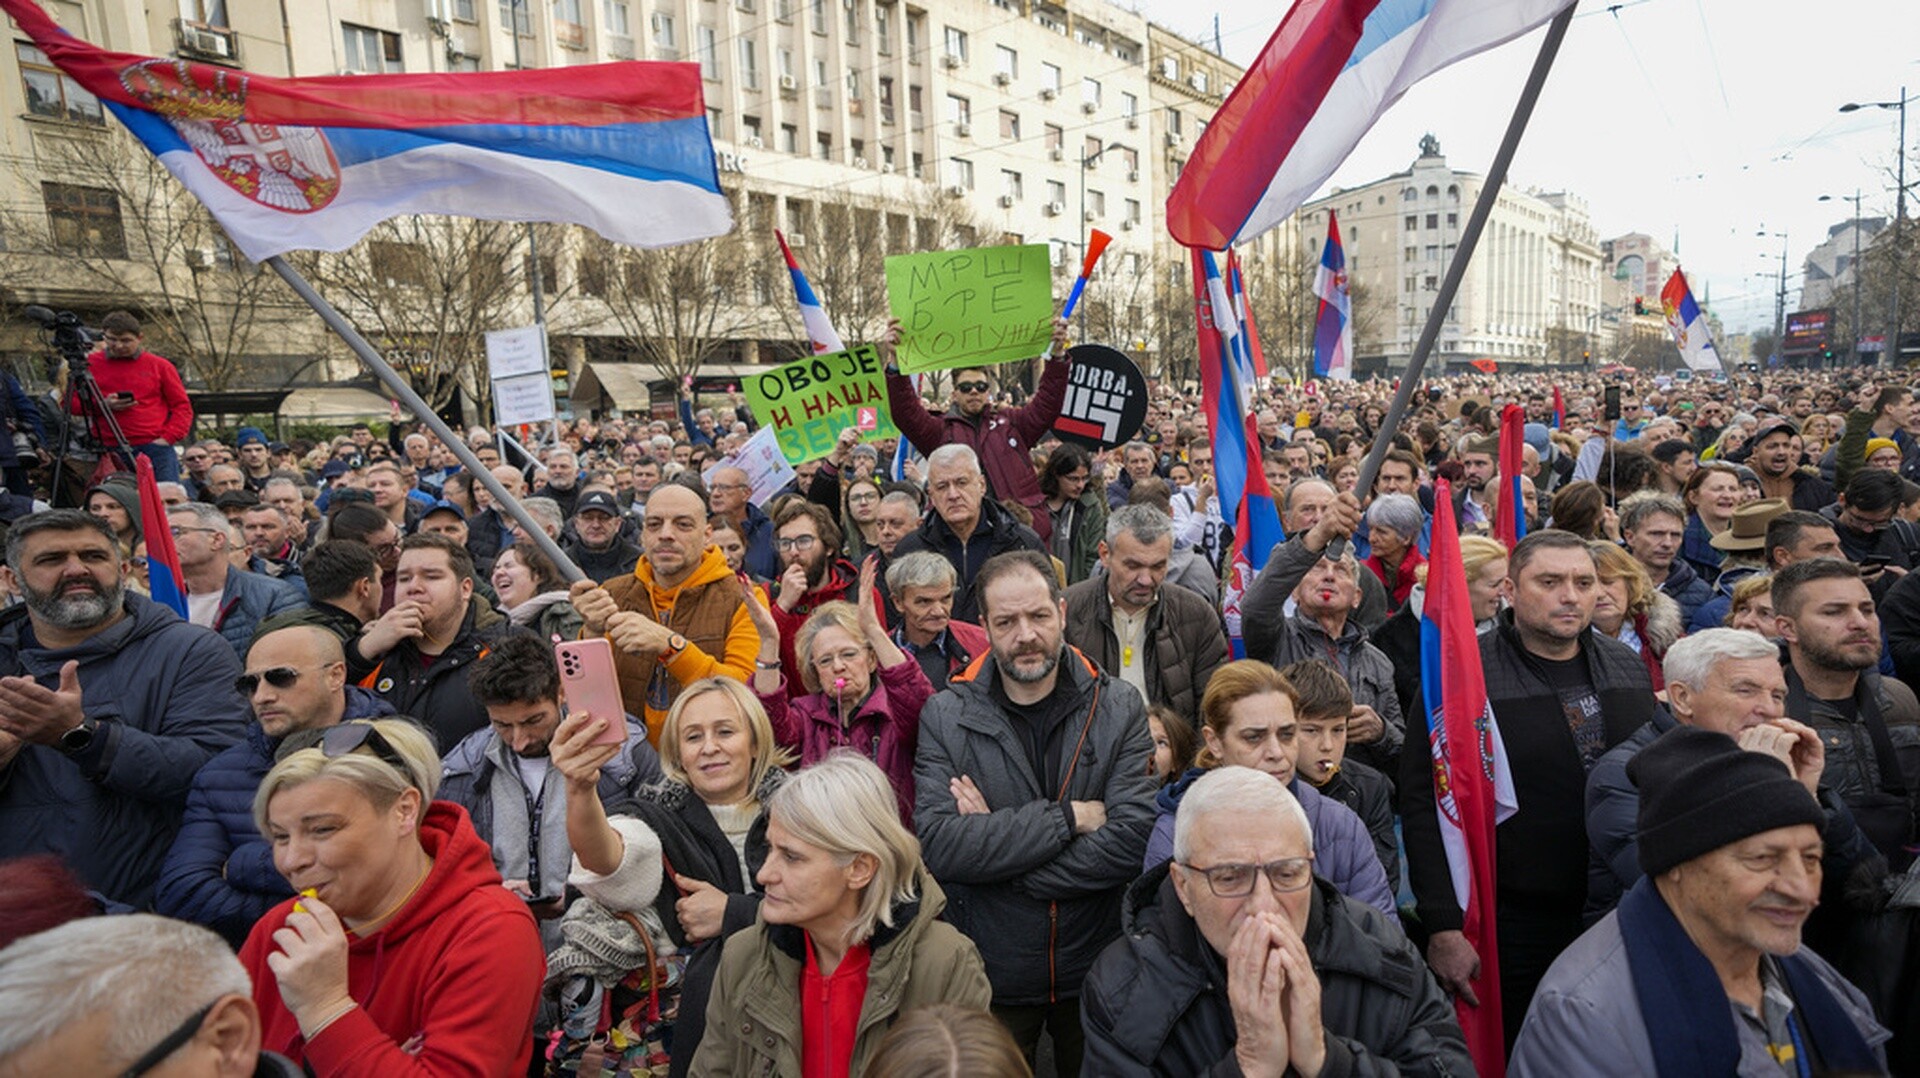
x,y
402,954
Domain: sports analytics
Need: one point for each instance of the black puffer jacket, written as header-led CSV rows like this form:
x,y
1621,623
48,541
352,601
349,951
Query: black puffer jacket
x,y
1156,1001
996,533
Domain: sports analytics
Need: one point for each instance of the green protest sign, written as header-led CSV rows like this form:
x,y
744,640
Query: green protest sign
x,y
971,308
810,401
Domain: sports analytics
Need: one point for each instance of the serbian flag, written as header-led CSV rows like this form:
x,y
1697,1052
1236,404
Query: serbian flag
x,y
1688,324
1510,519
1329,71
1243,310
316,163
1559,409
1227,400
1473,788
165,583
1333,326
819,330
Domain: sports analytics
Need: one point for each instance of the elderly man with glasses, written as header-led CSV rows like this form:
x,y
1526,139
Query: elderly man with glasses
x,y
219,872
1238,960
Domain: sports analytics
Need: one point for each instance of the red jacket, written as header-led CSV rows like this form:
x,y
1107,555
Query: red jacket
x,y
448,987
884,729
160,411
840,581
1001,437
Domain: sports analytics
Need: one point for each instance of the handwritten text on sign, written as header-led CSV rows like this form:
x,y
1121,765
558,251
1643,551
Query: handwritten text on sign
x,y
810,401
971,308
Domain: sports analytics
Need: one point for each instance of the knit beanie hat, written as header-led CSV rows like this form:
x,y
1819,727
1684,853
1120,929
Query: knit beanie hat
x,y
1699,791
1875,445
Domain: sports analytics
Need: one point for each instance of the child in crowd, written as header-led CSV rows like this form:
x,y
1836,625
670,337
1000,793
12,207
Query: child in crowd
x,y
1320,749
1173,743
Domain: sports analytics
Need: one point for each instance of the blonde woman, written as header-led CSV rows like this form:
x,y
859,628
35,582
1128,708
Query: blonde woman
x,y
402,954
686,851
1630,609
1750,606
848,937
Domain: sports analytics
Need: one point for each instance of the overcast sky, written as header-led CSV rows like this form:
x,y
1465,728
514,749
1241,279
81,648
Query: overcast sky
x,y
1709,118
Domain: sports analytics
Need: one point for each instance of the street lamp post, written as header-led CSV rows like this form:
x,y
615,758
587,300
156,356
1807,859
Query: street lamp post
x,y
1856,264
1899,211
1780,296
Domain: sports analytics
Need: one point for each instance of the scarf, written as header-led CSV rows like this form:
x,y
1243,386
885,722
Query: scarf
x,y
528,612
1690,1024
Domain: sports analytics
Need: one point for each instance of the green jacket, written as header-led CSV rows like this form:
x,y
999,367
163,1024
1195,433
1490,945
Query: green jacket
x,y
1088,526
753,1016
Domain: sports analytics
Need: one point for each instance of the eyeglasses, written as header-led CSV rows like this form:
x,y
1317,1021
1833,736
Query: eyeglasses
x,y
971,387
796,542
170,1044
178,532
843,657
348,737
862,497
280,677
1236,881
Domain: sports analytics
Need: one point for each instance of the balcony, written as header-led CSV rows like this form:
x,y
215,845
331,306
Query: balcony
x,y
569,35
199,41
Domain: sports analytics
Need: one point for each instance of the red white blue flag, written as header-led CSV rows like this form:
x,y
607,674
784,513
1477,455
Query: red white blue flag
x,y
1472,785
165,582
819,330
1243,310
1333,325
1688,324
1227,394
316,163
1509,506
1329,71
1559,409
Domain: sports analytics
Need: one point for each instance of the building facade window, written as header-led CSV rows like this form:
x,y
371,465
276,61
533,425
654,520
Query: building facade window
x,y
371,51
615,14
960,172
957,44
51,93
1011,185
1006,61
749,64
519,15
84,220
1009,125
1050,77
883,30
706,45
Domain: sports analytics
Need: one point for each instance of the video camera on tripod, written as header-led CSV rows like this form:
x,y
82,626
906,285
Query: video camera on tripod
x,y
93,448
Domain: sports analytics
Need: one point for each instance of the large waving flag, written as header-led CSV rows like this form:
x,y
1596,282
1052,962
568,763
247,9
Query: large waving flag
x,y
1472,785
316,163
1688,324
1243,310
1329,71
165,582
1333,326
1226,390
1509,508
819,330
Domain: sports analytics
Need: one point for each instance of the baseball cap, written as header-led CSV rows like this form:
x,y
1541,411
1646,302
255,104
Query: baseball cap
x,y
334,469
1774,426
598,501
444,506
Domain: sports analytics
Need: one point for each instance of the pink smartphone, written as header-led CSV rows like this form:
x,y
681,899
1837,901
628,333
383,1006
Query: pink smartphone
x,y
589,683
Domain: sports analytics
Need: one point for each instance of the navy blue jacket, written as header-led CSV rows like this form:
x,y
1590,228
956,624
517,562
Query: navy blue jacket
x,y
162,692
220,871
1685,586
249,599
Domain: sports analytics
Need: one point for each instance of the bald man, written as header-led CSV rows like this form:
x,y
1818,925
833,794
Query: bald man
x,y
220,871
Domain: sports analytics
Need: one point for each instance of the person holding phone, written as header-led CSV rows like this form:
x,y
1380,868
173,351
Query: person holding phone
x,y
144,390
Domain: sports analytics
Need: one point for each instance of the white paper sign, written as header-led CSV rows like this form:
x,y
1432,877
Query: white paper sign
x,y
525,399
515,352
766,466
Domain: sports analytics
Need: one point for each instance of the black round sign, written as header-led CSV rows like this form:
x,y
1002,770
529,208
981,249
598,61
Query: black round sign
x,y
1106,401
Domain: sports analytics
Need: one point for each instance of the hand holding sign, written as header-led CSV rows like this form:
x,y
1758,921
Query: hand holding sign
x,y
971,308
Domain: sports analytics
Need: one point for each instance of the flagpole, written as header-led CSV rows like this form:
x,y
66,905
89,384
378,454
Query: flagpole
x,y
1457,269
404,392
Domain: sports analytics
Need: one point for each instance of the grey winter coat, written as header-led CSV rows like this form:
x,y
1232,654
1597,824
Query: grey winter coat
x,y
1586,1016
1039,900
1156,1001
162,692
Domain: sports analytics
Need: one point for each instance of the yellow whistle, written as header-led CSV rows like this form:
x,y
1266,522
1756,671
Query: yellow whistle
x,y
301,907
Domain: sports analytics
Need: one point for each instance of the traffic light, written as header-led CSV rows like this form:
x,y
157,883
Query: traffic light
x,y
1639,306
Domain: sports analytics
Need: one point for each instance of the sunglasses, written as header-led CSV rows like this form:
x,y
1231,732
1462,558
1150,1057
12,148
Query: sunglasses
x,y
970,387
280,677
181,1034
350,737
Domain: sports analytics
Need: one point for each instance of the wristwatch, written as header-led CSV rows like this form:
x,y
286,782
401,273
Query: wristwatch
x,y
676,644
78,739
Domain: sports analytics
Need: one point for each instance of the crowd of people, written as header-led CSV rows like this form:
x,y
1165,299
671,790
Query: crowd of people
x,y
960,770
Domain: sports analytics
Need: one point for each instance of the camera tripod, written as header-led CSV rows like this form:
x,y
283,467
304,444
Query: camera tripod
x,y
100,434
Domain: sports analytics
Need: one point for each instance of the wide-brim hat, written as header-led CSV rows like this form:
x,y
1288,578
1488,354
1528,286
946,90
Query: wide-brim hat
x,y
1748,530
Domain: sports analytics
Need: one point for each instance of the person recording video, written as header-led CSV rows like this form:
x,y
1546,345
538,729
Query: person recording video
x,y
144,392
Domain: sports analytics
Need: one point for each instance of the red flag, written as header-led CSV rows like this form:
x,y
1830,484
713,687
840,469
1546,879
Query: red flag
x,y
1472,786
1509,518
165,582
1559,409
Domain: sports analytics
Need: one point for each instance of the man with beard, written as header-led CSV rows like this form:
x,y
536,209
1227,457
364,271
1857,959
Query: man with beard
x,y
1165,642
1774,459
813,573
220,872
109,704
1473,501
1869,724
503,778
1033,804
1562,696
